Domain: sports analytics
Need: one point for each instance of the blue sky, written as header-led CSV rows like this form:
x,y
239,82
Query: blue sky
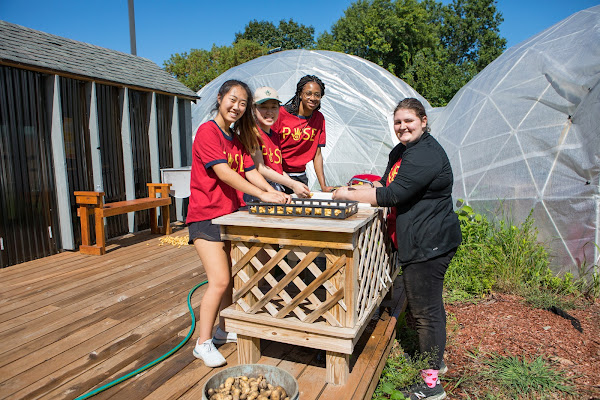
x,y
167,27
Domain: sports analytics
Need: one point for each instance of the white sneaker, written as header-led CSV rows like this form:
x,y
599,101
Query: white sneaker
x,y
222,337
207,352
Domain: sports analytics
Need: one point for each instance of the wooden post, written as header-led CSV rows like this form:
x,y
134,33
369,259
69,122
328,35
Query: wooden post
x,y
95,201
248,349
84,216
154,189
153,216
99,218
165,211
338,282
337,367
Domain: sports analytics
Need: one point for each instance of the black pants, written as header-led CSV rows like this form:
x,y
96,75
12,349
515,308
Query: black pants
x,y
423,283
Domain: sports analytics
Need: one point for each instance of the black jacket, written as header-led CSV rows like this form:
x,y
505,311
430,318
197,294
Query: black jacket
x,y
426,225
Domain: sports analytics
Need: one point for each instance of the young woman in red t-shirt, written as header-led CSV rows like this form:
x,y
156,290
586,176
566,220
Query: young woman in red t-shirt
x,y
268,158
221,168
301,127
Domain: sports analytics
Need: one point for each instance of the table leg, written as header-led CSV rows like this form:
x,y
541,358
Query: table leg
x,y
337,367
84,217
100,236
248,349
153,220
165,212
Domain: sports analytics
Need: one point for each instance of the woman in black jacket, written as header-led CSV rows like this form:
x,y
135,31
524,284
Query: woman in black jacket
x,y
418,183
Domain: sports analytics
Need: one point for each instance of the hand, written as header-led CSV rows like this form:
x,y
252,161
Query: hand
x,y
327,188
301,190
275,197
342,193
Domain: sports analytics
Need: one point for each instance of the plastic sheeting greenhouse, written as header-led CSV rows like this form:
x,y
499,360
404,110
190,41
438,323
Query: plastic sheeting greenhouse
x,y
526,131
358,103
523,135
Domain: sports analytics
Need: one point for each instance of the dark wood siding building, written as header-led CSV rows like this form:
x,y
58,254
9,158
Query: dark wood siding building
x,y
74,116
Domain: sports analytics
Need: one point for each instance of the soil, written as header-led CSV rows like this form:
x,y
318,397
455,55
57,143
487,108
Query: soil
x,y
506,325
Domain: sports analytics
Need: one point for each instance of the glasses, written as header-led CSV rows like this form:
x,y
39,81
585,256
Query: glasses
x,y
316,95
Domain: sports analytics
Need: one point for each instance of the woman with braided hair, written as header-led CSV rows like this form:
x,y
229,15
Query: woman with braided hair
x,y
302,131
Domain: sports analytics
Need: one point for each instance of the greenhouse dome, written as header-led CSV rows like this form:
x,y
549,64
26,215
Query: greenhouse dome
x,y
358,103
524,135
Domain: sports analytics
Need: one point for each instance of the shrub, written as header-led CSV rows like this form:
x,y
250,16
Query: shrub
x,y
500,255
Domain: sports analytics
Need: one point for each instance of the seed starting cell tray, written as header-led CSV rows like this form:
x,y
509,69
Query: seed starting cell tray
x,y
338,209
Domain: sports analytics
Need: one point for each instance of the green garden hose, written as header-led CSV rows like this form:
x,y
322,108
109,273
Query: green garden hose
x,y
159,359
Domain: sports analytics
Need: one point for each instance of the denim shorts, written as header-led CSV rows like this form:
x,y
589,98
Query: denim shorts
x,y
204,230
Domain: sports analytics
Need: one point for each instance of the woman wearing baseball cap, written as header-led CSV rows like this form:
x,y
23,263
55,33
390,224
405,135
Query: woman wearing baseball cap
x,y
268,159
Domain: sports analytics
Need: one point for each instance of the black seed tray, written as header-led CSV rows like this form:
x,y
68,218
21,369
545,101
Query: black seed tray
x,y
317,208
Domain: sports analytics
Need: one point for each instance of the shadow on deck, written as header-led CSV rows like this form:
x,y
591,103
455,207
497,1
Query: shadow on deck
x,y
70,323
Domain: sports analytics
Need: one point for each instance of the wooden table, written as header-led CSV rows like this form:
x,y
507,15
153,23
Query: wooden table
x,y
312,282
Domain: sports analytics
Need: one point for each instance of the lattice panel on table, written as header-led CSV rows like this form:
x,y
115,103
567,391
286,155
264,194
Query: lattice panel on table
x,y
287,293
376,263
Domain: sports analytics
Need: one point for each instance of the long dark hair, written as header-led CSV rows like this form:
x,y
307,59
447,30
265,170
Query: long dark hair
x,y
245,127
293,105
410,103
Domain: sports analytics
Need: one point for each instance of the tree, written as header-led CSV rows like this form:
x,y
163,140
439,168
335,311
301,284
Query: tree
x,y
199,67
437,81
470,32
288,35
435,48
388,33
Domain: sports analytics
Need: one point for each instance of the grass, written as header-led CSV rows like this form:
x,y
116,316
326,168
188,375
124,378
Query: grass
x,y
519,378
504,257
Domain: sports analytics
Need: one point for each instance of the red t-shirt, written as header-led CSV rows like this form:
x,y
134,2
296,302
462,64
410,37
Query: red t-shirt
x,y
271,151
299,138
391,218
209,196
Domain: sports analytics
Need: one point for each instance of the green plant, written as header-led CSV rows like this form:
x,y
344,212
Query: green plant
x,y
501,255
545,298
399,372
515,377
589,277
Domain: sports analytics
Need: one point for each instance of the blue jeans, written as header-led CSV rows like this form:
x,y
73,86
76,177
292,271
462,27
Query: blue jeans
x,y
423,283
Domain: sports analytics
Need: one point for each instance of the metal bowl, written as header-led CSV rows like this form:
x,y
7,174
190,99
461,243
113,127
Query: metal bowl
x,y
275,376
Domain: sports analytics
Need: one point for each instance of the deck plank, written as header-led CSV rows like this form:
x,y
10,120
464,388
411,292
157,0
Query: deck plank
x,y
91,275
77,315
71,323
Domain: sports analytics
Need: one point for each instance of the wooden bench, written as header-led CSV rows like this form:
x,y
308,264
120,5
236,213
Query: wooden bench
x,y
92,203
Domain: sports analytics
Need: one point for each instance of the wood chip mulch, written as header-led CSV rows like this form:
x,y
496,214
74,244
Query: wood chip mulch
x,y
506,325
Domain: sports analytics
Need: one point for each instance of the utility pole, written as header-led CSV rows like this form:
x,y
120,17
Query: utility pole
x,y
132,28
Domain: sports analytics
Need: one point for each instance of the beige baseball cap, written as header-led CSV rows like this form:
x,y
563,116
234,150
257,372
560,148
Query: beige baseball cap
x,y
265,93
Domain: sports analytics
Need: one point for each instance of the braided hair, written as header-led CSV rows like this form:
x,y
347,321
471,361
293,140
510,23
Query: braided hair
x,y
293,105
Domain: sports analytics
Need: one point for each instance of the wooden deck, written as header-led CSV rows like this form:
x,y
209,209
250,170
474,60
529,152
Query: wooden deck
x,y
70,323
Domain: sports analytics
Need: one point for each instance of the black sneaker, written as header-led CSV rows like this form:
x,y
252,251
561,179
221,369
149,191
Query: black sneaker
x,y
421,391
